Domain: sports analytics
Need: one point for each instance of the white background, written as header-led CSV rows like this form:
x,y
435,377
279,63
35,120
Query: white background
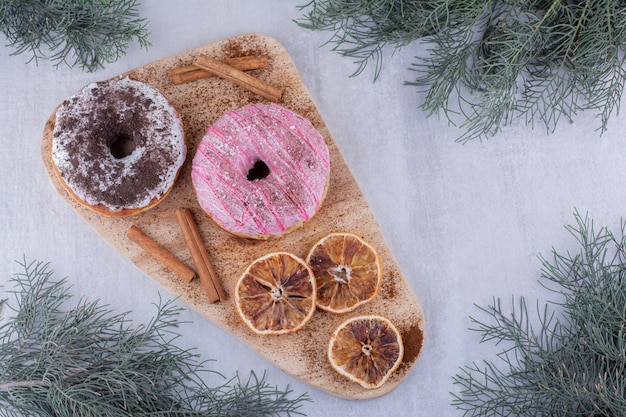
x,y
466,222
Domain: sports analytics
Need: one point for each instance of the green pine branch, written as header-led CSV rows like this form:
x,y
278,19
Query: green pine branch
x,y
490,62
568,356
58,360
83,33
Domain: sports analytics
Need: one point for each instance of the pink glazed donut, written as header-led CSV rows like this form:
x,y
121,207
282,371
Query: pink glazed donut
x,y
261,171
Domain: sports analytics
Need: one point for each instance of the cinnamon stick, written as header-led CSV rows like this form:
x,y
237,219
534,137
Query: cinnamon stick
x,y
161,254
240,78
190,73
208,277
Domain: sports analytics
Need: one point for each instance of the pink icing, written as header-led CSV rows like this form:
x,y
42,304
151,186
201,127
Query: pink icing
x,y
293,150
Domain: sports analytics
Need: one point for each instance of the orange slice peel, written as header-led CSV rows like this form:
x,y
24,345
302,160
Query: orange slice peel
x,y
276,294
366,349
347,269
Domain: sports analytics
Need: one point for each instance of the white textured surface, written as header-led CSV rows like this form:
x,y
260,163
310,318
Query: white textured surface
x,y
465,222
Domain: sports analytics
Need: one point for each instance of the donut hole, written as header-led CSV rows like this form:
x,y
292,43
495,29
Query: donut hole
x,y
259,171
122,146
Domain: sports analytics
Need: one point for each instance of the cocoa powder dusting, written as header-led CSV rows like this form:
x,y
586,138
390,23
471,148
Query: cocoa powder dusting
x,y
389,287
242,46
413,340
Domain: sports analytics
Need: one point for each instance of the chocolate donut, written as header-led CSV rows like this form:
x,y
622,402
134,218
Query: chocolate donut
x,y
118,146
261,171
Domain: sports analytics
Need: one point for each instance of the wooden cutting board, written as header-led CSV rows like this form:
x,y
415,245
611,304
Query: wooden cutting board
x,y
200,103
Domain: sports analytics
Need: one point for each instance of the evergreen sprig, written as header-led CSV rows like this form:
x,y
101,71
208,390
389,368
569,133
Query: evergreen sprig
x,y
83,33
88,361
492,61
569,357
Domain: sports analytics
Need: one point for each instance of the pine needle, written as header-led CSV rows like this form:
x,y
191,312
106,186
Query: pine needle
x,y
490,62
83,33
86,360
568,357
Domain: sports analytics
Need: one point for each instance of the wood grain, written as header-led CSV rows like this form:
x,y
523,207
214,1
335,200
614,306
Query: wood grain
x,y
200,103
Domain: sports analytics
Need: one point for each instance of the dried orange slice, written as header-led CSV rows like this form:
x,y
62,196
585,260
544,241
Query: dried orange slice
x,y
347,269
276,294
366,349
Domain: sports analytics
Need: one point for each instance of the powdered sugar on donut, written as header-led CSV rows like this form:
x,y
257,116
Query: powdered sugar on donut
x,y
290,191
90,122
